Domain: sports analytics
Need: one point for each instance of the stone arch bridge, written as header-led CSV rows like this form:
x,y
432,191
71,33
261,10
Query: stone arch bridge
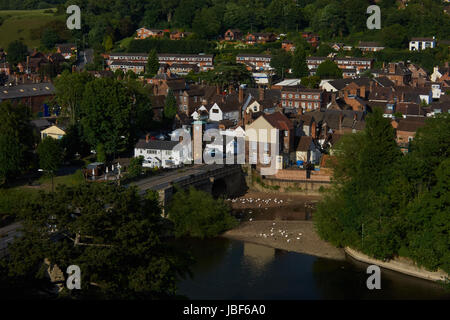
x,y
217,179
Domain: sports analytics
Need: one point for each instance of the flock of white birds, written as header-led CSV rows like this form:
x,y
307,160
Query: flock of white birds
x,y
283,234
258,201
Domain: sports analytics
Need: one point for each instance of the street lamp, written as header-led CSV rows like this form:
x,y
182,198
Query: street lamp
x,y
51,171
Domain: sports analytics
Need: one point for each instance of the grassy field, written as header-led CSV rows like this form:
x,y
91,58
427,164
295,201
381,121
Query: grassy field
x,y
18,23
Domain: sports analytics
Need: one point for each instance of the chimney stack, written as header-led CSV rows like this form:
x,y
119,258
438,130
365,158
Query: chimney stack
x,y
261,93
446,64
241,94
147,137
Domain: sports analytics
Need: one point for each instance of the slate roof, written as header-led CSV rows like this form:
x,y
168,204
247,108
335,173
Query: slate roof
x,y
27,90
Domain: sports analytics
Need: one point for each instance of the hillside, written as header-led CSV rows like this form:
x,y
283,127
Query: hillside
x,y
18,23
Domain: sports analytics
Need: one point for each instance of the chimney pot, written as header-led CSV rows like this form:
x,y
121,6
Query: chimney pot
x,y
147,137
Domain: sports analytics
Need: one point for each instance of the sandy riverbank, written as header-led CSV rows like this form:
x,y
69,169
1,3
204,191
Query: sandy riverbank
x,y
301,235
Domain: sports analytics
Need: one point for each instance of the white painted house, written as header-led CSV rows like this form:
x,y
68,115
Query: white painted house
x,y
159,153
417,44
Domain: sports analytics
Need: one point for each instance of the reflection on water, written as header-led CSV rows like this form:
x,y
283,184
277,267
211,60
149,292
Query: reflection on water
x,y
228,269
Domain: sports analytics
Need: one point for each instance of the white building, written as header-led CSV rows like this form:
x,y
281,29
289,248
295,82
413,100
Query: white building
x,y
417,44
159,153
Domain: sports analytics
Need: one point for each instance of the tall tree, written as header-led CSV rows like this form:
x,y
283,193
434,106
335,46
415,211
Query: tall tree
x,y
69,93
106,118
281,62
16,140
170,106
152,66
299,67
50,154
17,52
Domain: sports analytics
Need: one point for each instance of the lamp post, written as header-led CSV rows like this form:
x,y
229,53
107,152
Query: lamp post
x,y
51,171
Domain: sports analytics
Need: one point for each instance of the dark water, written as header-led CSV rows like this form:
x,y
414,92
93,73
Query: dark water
x,y
227,269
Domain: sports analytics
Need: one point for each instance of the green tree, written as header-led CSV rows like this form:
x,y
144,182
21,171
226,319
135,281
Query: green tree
x,y
395,36
330,21
69,93
329,69
50,154
197,214
311,82
299,67
324,50
152,66
112,233
170,106
206,23
49,39
100,153
17,52
281,61
135,167
16,140
107,109
108,43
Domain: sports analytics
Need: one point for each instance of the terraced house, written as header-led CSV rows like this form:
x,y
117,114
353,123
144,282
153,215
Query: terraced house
x,y
296,97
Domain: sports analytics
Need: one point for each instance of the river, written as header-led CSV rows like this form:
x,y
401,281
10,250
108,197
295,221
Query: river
x,y
228,269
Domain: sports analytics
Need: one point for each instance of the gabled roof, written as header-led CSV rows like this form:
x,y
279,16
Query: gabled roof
x,y
279,121
304,143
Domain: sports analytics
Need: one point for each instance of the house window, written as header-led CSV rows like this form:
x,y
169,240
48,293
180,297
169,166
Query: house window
x,y
215,110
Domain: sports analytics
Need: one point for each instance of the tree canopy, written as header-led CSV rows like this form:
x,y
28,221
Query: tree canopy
x,y
328,69
197,214
16,140
114,235
387,204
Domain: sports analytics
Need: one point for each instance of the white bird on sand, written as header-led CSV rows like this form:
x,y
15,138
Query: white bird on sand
x,y
299,234
288,240
298,238
250,219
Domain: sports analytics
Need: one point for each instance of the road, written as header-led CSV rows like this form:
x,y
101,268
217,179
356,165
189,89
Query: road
x,y
7,235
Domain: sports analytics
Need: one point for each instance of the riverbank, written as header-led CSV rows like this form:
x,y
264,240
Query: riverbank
x,y
399,264
296,236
